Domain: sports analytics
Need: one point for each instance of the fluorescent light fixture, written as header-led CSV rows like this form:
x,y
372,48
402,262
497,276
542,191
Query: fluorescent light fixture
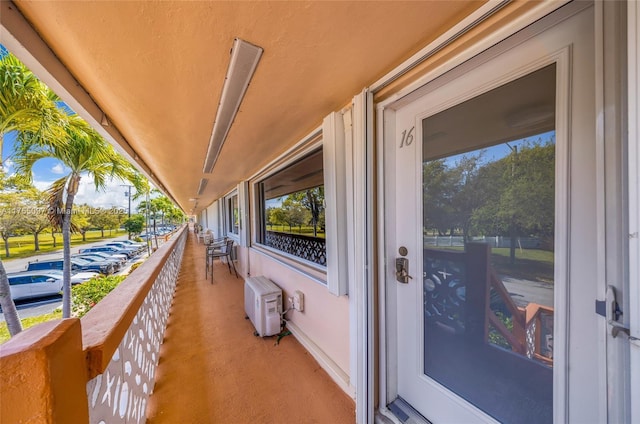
x,y
244,60
202,186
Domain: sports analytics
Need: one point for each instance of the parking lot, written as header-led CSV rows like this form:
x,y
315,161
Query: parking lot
x,y
20,264
38,306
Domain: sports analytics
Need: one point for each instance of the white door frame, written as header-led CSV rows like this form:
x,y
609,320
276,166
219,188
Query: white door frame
x,y
614,214
633,57
384,130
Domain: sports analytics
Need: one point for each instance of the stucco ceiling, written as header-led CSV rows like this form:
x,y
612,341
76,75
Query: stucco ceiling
x,y
157,68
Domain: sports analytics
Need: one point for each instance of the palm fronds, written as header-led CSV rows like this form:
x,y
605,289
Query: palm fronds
x,y
56,203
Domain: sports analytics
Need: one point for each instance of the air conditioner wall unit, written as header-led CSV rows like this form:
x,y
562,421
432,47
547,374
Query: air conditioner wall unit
x,y
263,305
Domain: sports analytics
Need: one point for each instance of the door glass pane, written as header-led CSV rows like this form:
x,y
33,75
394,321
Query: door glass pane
x,y
488,231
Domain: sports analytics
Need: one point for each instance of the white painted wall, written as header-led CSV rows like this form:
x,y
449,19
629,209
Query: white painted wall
x,y
213,219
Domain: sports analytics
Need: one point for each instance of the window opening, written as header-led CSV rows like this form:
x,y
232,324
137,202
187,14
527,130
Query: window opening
x,y
292,210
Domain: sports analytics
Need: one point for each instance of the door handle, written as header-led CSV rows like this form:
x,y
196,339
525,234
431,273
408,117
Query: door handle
x,y
614,312
402,270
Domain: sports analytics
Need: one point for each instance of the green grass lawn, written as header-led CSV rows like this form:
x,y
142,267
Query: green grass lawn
x,y
23,246
305,230
530,264
28,322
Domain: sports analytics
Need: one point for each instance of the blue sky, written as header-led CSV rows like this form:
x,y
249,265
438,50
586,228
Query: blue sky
x,y
46,171
499,151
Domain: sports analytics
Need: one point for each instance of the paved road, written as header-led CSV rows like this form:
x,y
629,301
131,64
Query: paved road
x,y
524,292
30,308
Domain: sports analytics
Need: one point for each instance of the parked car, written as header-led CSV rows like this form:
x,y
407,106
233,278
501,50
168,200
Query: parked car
x,y
31,284
77,264
134,250
109,249
120,257
121,245
133,243
117,264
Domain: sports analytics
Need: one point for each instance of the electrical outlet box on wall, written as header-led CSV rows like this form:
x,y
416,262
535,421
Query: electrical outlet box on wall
x,y
298,301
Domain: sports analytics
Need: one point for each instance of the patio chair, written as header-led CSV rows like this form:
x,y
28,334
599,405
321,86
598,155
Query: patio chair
x,y
211,245
221,251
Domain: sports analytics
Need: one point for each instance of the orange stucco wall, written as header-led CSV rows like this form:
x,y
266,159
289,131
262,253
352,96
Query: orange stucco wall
x,y
43,375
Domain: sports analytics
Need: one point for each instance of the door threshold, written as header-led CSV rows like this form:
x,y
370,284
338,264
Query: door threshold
x,y
402,413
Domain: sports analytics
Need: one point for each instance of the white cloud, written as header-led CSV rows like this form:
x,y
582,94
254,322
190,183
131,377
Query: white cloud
x,y
111,196
42,185
58,169
8,164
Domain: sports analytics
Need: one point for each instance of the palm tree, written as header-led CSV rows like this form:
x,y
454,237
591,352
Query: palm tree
x,y
143,190
6,302
151,209
25,104
83,152
10,313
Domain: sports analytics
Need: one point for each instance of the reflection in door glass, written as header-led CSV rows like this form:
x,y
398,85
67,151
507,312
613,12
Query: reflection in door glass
x,y
488,230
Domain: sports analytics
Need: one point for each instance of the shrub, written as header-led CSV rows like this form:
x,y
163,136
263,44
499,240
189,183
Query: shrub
x,y
495,337
134,266
86,295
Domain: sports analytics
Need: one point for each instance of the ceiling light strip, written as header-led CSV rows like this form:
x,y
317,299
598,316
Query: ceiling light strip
x,y
202,186
244,60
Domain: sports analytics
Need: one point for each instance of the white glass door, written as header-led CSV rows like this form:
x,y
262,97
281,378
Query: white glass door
x,y
492,187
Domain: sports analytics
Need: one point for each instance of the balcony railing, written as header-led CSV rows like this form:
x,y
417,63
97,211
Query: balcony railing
x,y
313,249
108,358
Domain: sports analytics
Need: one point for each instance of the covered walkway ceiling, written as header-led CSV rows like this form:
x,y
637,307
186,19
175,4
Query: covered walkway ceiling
x,y
156,70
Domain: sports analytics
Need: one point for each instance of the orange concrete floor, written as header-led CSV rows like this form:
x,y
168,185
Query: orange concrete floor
x,y
212,368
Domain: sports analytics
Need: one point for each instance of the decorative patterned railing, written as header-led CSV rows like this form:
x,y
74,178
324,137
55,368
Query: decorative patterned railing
x,y
120,393
459,289
444,288
312,249
100,368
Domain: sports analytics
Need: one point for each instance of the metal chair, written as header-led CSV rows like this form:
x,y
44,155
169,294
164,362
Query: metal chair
x,y
221,251
211,245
